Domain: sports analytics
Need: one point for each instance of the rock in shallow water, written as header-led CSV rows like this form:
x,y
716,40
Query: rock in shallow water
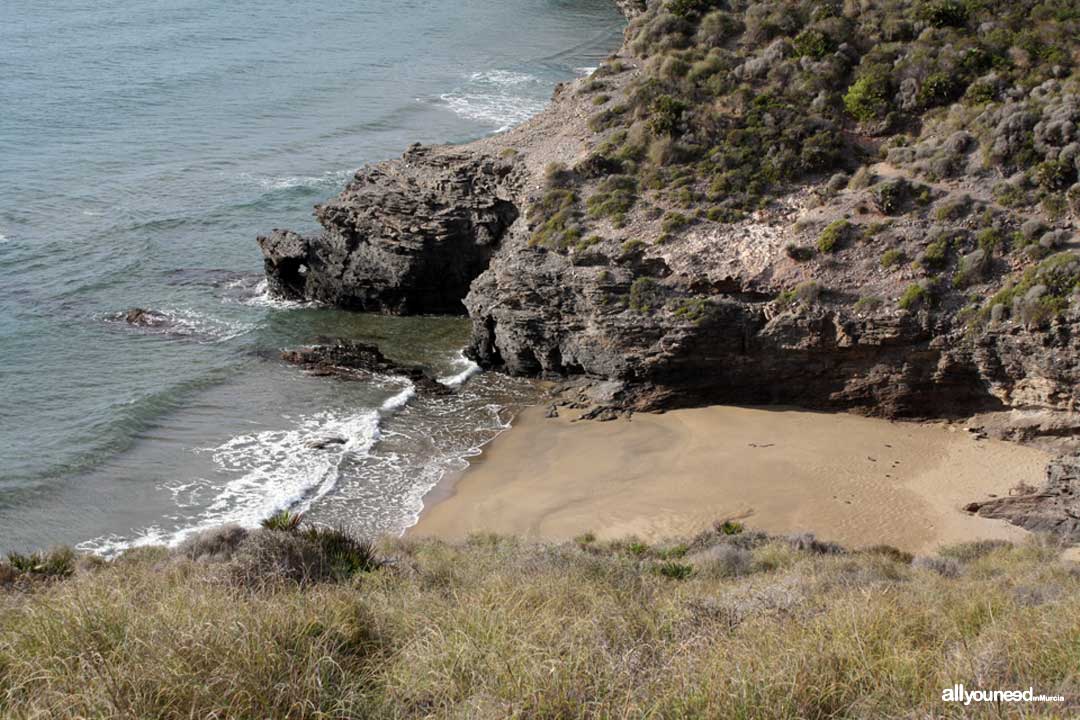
x,y
345,359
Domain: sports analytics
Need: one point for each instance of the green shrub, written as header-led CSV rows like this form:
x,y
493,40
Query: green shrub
x,y
799,253
1055,175
892,258
665,115
675,570
343,554
914,296
869,98
646,295
938,89
730,527
892,195
674,222
834,236
283,520
953,209
814,43
555,218
686,8
56,563
944,13
936,254
614,197
868,303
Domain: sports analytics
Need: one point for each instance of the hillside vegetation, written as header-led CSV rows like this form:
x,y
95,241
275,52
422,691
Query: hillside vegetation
x,y
930,149
287,622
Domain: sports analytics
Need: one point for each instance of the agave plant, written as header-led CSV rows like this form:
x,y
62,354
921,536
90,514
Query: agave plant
x,y
283,520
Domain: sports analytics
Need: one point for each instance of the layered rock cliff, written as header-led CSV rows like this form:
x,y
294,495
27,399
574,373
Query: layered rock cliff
x,y
774,202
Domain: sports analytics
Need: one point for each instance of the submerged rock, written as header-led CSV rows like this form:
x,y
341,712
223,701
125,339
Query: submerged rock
x,y
345,359
141,317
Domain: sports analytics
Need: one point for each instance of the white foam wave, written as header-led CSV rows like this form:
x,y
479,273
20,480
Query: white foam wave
x,y
262,297
468,369
399,400
503,77
503,111
585,71
287,182
271,471
187,322
3,238
497,97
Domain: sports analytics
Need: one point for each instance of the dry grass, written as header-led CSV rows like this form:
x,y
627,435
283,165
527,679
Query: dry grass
x,y
763,628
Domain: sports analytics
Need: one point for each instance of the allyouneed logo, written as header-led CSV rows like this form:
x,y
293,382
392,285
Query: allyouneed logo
x,y
957,693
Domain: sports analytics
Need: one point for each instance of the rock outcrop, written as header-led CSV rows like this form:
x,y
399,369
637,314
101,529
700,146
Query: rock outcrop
x,y
348,359
403,237
1053,508
892,292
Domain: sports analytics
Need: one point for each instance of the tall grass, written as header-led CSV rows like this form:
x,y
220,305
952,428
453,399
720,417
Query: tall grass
x,y
497,628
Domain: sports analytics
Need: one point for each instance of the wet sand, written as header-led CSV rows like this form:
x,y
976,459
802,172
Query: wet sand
x,y
854,480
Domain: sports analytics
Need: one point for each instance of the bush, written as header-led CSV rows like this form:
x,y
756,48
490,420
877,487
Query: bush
x,y
56,563
675,570
730,527
892,258
686,8
646,295
555,218
834,236
613,198
814,43
914,296
938,89
673,222
944,13
665,115
283,520
868,303
892,195
799,253
870,97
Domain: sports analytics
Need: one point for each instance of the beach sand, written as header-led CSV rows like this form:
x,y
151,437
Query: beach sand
x,y
854,480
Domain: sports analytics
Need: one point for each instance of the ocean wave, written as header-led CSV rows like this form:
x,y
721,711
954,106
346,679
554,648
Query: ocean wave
x,y
398,401
271,470
502,98
584,71
502,111
263,298
186,322
467,368
330,178
503,77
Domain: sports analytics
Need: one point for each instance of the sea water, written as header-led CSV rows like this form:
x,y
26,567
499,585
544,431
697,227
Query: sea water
x,y
143,146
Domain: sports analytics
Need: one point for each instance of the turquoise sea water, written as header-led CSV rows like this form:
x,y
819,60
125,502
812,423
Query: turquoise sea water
x,y
143,145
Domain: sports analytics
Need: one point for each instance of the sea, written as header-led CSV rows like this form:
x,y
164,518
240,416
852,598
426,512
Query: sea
x,y
144,144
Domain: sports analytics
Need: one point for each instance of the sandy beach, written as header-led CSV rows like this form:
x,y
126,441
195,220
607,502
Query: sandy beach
x,y
846,478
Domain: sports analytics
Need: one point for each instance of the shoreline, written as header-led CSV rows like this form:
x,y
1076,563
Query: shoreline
x,y
846,478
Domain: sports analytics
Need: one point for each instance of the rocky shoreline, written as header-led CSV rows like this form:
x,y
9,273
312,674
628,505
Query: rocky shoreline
x,y
668,311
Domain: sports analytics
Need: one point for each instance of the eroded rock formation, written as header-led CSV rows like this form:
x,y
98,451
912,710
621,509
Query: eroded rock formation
x,y
347,359
1053,508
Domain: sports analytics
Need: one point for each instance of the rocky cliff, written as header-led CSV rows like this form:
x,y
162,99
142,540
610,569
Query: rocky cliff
x,y
780,201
